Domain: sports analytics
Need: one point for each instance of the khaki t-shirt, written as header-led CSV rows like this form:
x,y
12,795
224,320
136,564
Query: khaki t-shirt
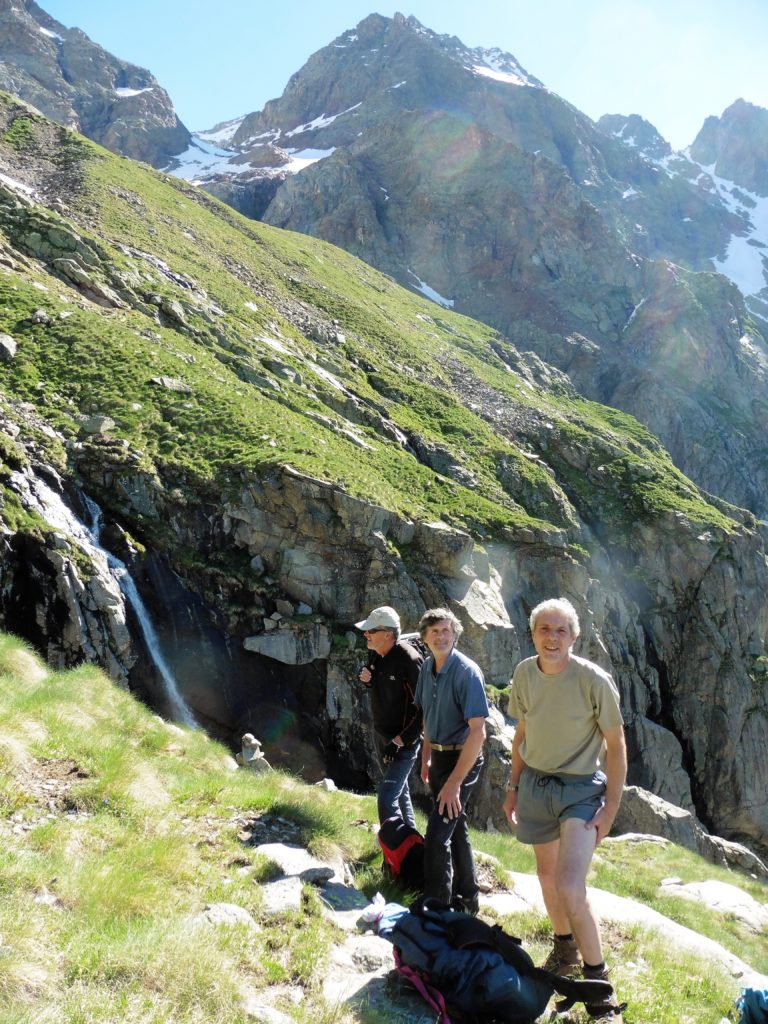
x,y
565,715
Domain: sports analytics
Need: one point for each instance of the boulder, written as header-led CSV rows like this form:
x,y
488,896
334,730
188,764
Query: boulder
x,y
97,424
7,348
720,896
297,644
645,812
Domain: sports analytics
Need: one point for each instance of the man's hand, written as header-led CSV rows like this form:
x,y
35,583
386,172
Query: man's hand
x,y
365,676
448,802
510,806
601,822
389,753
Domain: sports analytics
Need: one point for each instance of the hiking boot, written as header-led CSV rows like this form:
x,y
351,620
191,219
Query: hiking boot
x,y
608,1012
608,1015
466,904
564,959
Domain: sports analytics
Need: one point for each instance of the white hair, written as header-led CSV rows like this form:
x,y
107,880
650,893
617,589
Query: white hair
x,y
560,605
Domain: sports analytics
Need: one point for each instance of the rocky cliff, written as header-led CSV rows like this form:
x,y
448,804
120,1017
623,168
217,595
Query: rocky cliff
x,y
72,80
735,145
279,437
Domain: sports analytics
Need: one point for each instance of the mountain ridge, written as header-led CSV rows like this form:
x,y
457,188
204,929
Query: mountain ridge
x,y
418,201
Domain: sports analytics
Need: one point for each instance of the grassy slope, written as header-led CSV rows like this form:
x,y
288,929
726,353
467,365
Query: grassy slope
x,y
251,285
100,891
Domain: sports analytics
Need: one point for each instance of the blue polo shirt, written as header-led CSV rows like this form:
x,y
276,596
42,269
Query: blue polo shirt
x,y
450,698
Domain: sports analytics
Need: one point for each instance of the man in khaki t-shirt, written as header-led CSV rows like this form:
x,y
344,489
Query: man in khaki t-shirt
x,y
569,762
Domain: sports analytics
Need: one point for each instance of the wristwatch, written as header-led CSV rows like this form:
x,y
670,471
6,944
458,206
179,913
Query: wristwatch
x,y
514,789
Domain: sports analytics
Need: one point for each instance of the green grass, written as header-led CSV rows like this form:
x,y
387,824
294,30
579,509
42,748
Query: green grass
x,y
21,134
402,366
636,871
100,901
129,871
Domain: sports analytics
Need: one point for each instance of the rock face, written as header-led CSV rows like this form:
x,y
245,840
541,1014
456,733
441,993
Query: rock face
x,y
75,82
57,589
635,131
736,144
696,719
643,813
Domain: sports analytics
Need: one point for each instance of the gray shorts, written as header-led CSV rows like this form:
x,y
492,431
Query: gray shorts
x,y
544,801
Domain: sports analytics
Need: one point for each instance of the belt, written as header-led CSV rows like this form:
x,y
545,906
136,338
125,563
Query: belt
x,y
446,746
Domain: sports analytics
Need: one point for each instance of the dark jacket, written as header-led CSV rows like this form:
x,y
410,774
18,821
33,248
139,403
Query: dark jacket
x,y
393,684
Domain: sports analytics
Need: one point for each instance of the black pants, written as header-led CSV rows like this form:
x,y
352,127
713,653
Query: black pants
x,y
449,866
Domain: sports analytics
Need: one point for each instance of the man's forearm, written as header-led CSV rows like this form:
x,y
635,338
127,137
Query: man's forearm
x,y
469,754
615,773
518,764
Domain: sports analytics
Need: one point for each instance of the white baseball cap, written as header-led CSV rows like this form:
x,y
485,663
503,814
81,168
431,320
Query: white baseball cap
x,y
381,618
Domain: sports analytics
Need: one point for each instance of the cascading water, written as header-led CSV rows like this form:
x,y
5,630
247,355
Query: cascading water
x,y
50,506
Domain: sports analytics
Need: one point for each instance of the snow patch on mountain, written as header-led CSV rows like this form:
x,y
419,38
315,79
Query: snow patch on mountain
x,y
221,134
499,76
430,292
47,32
132,92
746,258
201,160
17,186
319,122
301,158
500,66
348,37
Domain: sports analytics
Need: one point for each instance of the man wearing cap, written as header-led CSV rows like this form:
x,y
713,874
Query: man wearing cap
x,y
451,693
391,673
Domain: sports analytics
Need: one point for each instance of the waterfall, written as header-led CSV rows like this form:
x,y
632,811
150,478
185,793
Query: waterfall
x,y
52,508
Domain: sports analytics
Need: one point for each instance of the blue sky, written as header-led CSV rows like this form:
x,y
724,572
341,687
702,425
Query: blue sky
x,y
675,62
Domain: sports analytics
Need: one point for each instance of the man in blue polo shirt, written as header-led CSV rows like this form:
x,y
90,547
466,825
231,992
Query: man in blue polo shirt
x,y
451,693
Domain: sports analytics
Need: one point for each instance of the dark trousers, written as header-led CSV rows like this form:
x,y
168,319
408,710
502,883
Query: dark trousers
x,y
449,867
394,796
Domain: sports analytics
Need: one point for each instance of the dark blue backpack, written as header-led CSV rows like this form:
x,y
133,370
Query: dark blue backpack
x,y
753,1003
464,966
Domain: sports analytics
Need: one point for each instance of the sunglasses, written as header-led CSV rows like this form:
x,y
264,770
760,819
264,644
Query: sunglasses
x,y
370,632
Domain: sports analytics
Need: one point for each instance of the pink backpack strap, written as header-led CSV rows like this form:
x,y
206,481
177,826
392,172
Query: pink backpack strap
x,y
432,996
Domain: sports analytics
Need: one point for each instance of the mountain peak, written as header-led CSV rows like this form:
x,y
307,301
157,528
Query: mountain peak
x,y
736,144
635,131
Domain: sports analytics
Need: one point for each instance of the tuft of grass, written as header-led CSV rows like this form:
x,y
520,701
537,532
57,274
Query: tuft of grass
x,y
20,135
